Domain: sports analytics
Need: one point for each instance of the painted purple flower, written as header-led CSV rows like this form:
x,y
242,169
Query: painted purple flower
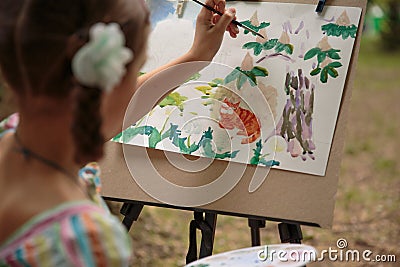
x,y
296,124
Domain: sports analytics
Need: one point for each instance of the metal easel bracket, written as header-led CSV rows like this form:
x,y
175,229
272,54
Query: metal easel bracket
x,y
320,6
206,223
180,8
290,233
131,212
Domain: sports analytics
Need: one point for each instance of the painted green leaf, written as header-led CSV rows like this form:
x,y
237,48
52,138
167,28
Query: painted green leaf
x,y
258,158
242,76
270,44
233,75
328,28
206,143
315,71
335,30
241,80
260,71
333,54
131,132
279,47
335,64
345,34
174,136
227,155
251,77
204,89
263,25
154,138
254,28
191,149
250,45
216,82
312,53
200,265
173,99
269,163
353,31
324,75
257,47
332,72
258,50
289,48
321,57
194,77
117,138
257,153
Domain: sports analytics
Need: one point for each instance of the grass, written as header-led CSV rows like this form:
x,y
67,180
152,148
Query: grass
x,y
367,209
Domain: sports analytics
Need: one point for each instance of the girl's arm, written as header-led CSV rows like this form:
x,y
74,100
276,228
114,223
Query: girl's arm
x,y
210,29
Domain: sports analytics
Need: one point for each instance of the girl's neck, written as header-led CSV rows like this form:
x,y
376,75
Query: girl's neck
x,y
46,131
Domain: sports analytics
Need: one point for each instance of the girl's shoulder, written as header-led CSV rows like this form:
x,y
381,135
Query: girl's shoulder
x,y
73,234
78,233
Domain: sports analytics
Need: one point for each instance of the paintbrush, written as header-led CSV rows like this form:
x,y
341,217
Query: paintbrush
x,y
237,23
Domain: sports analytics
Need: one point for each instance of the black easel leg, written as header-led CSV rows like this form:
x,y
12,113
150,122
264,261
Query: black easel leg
x,y
290,233
131,211
255,226
207,241
206,224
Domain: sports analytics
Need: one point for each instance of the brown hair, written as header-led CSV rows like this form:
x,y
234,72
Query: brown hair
x,y
38,39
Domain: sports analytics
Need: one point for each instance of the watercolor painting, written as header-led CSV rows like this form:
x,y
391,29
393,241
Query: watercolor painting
x,y
276,101
211,119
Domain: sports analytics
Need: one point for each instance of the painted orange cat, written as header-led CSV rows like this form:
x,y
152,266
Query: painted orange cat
x,y
232,116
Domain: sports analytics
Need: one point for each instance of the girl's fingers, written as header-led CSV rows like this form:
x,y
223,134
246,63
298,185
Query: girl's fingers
x,y
231,28
205,14
215,19
224,21
220,6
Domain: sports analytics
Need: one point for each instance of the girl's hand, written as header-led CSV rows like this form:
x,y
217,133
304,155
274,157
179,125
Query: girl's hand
x,y
210,29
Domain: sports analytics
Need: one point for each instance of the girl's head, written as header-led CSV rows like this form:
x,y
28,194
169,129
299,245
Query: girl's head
x,y
39,38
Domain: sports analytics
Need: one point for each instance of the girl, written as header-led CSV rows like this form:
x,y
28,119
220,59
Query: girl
x,y
72,67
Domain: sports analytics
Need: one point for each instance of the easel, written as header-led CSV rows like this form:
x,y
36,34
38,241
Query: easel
x,y
307,200
206,221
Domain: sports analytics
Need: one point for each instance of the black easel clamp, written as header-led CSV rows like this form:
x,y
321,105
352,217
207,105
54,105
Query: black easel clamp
x,y
290,233
207,228
320,6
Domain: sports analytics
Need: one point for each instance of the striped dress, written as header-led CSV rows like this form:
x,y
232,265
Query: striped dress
x,y
79,233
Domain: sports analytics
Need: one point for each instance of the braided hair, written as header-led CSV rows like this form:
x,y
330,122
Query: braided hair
x,y
38,39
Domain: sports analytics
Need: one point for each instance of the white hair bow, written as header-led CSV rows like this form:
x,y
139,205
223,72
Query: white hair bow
x,y
102,61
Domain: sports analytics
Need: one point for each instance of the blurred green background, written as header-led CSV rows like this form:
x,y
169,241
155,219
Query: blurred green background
x,y
367,212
